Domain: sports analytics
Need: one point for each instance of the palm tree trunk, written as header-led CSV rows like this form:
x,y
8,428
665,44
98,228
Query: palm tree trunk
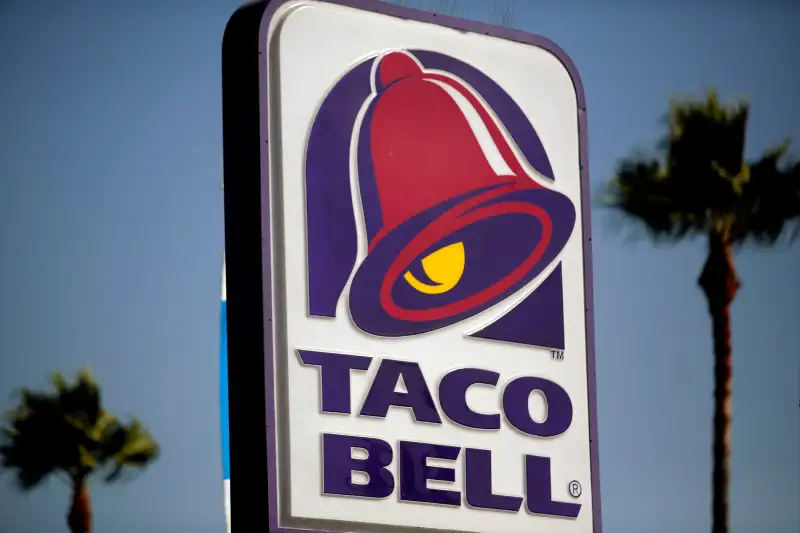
x,y
720,284
79,518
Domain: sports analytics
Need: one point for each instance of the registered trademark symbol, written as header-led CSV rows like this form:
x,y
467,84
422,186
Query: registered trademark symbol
x,y
574,489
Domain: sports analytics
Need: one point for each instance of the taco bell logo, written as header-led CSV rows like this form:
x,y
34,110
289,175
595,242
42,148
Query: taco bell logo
x,y
452,191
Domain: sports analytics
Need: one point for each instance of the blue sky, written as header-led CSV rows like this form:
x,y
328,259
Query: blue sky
x,y
111,231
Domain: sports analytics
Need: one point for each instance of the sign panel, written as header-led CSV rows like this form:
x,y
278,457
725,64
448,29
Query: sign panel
x,y
427,272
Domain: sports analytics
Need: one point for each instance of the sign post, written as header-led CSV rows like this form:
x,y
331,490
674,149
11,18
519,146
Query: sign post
x,y
409,289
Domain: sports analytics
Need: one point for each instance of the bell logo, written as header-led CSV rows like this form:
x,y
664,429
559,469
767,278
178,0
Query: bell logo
x,y
436,170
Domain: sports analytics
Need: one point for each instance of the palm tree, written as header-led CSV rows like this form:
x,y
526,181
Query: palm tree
x,y
702,186
69,434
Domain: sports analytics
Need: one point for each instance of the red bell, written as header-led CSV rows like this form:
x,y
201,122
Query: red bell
x,y
432,140
455,223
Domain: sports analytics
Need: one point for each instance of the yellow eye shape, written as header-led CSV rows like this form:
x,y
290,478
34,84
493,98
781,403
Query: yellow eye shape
x,y
445,266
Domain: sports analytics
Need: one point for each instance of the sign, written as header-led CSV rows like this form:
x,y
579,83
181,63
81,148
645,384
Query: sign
x,y
424,272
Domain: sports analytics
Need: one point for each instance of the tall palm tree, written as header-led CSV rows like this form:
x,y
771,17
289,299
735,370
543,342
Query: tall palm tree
x,y
68,433
699,184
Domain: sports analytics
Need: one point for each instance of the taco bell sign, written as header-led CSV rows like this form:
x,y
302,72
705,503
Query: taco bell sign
x,y
407,218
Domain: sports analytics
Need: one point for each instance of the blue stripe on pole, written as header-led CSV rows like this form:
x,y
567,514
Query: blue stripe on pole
x,y
223,388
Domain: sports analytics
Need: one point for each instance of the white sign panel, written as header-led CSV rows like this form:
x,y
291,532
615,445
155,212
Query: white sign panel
x,y
431,354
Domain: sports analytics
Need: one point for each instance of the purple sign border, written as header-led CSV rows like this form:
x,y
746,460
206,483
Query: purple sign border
x,y
466,26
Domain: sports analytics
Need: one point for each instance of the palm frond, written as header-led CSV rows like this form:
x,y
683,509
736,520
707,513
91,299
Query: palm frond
x,y
68,431
770,205
130,446
36,440
643,192
704,159
701,181
80,398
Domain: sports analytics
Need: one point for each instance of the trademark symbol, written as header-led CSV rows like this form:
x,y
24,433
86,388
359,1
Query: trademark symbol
x,y
574,489
558,355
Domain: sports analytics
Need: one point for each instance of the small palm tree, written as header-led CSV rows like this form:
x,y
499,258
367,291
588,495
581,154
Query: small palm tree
x,y
702,186
68,433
